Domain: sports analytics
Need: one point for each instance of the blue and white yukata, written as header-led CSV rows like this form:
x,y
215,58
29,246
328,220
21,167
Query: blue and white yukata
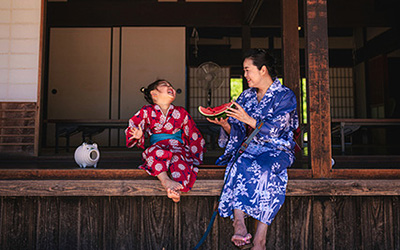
x,y
257,182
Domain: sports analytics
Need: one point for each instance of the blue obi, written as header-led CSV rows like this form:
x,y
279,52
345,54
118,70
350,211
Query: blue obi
x,y
154,138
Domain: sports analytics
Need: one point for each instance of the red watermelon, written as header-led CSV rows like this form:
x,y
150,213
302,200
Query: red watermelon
x,y
217,112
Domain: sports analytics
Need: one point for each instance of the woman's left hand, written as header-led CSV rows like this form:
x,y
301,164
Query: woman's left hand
x,y
239,113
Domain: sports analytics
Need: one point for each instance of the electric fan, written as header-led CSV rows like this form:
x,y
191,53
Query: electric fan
x,y
209,77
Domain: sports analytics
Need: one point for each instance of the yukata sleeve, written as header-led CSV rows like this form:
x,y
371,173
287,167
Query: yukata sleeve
x,y
224,137
193,139
139,119
282,119
234,139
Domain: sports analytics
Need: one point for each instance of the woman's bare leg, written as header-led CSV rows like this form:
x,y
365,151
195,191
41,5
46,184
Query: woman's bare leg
x,y
240,237
172,187
260,238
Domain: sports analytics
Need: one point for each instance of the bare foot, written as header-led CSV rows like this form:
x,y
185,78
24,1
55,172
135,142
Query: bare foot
x,y
174,195
172,187
258,246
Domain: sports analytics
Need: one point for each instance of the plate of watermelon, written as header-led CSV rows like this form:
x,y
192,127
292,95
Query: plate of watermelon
x,y
216,112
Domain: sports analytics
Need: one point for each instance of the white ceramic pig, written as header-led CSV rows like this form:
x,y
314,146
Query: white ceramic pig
x,y
87,155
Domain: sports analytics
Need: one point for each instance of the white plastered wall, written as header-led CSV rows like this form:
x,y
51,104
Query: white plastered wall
x,y
19,50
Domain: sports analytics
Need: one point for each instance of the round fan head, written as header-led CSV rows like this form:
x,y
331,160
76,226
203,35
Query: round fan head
x,y
209,75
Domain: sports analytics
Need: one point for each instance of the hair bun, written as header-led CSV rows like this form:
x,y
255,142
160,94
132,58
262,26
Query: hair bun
x,y
143,89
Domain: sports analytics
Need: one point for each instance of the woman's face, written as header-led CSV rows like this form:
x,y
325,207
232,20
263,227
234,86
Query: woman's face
x,y
252,74
164,93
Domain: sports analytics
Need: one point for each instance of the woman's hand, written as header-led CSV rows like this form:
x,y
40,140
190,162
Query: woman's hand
x,y
222,122
239,113
136,133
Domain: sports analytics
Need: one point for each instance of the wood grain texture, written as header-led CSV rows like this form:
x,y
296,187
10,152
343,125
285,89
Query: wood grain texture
x,y
158,223
19,217
278,233
69,227
201,188
290,48
320,222
91,223
396,222
300,221
347,223
17,119
121,223
206,172
318,103
47,227
198,210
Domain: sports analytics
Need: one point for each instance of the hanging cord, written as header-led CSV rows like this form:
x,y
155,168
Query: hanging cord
x,y
238,153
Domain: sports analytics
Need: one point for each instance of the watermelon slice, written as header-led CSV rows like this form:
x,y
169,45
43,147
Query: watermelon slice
x,y
217,112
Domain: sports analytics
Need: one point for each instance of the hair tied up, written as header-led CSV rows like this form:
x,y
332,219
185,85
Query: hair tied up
x,y
143,90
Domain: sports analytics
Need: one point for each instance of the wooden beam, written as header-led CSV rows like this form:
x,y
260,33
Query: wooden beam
x,y
316,34
246,45
383,44
365,173
39,97
290,48
125,13
252,8
206,172
201,188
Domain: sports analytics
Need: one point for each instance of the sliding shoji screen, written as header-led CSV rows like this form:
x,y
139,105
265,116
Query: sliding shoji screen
x,y
342,92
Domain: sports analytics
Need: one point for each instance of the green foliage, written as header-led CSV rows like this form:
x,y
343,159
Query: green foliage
x,y
236,86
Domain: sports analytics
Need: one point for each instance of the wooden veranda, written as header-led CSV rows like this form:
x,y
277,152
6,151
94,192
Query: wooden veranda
x,y
325,208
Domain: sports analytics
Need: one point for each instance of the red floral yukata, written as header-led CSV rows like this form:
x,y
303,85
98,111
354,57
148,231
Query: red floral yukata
x,y
169,153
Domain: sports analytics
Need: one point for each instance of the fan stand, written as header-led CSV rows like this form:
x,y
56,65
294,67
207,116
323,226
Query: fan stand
x,y
209,97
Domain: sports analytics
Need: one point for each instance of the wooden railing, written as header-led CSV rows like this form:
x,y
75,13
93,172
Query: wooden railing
x,y
362,122
135,182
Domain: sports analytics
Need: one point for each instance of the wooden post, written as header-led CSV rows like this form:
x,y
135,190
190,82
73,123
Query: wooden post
x,y
39,102
290,48
246,45
319,118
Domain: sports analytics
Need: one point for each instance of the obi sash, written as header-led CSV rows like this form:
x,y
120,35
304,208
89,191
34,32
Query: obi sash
x,y
154,138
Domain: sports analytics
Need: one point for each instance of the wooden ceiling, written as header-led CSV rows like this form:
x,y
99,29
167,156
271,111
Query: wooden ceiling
x,y
256,13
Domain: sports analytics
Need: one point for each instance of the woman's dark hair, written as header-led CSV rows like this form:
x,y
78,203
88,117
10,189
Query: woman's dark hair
x,y
260,58
152,86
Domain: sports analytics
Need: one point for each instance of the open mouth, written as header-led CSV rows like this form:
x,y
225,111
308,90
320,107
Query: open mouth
x,y
170,92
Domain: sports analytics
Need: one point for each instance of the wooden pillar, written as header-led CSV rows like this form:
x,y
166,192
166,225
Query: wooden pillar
x,y
246,45
290,48
39,102
317,64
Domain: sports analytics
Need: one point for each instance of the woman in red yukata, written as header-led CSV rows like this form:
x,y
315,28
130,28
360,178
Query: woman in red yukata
x,y
175,142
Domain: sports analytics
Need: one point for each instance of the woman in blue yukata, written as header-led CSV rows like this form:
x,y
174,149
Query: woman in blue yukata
x,y
256,185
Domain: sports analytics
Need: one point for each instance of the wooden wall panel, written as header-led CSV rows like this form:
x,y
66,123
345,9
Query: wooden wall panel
x,y
300,221
347,223
18,223
48,223
278,233
376,223
224,229
158,224
321,222
69,229
91,223
121,224
198,211
396,222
